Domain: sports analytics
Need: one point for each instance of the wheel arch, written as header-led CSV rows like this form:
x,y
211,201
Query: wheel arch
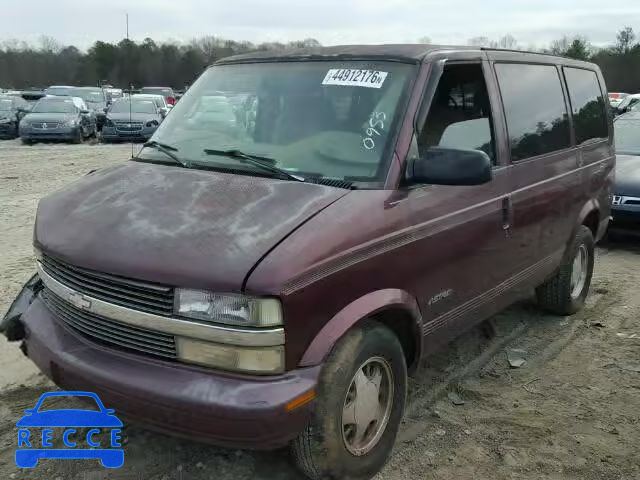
x,y
590,217
396,309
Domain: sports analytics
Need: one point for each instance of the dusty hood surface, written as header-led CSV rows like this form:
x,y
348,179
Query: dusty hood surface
x,y
166,224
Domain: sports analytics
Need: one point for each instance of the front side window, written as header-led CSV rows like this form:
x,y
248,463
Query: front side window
x,y
330,119
535,110
587,105
460,114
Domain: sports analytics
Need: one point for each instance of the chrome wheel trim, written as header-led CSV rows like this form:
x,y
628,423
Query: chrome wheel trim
x,y
579,271
367,406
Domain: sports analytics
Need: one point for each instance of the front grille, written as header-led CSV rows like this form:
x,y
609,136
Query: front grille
x,y
48,125
128,126
109,332
134,294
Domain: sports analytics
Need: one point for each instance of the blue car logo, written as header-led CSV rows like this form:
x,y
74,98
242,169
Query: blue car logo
x,y
29,440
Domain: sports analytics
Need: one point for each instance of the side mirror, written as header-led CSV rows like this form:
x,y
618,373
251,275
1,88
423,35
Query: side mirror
x,y
105,109
450,166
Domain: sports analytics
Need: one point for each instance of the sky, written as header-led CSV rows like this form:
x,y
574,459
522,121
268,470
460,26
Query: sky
x,y
532,23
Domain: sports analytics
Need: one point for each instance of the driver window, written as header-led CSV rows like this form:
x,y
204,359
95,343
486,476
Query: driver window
x,y
460,114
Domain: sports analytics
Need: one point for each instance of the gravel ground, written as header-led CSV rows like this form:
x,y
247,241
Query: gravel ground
x,y
570,412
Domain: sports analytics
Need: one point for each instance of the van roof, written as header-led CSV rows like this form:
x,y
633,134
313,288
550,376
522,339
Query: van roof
x,y
410,53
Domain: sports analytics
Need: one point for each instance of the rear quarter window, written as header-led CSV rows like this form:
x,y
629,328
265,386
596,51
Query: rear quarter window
x,y
535,110
587,105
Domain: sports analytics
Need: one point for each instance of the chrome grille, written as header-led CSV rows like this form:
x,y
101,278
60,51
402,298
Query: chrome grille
x,y
105,331
134,294
128,126
42,125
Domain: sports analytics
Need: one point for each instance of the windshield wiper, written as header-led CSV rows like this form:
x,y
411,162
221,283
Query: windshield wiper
x,y
265,163
167,150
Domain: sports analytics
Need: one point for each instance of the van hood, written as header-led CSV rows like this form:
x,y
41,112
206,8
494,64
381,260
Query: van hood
x,y
170,225
627,175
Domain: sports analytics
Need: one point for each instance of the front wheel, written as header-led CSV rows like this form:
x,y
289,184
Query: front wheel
x,y
361,396
566,292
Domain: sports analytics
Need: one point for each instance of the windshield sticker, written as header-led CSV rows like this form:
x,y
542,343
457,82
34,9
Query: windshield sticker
x,y
376,125
355,77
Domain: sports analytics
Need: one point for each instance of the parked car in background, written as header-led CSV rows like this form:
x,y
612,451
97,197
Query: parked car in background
x,y
114,93
131,119
626,104
214,112
616,98
58,118
166,92
96,100
273,284
59,90
626,192
31,96
12,110
159,100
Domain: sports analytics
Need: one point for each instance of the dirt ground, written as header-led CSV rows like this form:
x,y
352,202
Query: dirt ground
x,y
572,411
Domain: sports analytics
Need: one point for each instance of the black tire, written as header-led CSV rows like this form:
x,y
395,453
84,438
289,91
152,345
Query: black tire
x,y
555,295
79,138
320,451
26,141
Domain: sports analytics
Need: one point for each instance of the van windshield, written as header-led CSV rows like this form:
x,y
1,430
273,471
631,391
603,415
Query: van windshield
x,y
325,119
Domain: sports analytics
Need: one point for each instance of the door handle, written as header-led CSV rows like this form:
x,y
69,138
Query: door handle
x,y
507,213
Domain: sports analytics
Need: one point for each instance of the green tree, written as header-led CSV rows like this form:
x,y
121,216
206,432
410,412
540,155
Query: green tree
x,y
625,40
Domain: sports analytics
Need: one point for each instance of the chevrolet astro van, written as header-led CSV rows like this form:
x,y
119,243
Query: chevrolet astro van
x,y
270,279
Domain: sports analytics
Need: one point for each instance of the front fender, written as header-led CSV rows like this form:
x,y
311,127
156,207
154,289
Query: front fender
x,y
364,307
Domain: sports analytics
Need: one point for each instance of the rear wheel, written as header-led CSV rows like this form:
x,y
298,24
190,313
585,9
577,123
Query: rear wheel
x,y
361,396
26,141
566,292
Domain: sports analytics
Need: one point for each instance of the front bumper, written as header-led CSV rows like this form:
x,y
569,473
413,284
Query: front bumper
x,y
8,130
626,217
62,133
196,403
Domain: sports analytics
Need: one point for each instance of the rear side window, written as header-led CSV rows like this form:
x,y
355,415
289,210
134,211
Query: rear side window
x,y
587,105
535,110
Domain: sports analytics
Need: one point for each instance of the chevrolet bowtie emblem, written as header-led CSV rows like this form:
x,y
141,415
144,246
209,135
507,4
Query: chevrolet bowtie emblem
x,y
79,301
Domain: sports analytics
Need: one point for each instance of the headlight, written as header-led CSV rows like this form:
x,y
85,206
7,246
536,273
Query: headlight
x,y
152,123
229,309
37,253
5,120
109,123
71,123
266,360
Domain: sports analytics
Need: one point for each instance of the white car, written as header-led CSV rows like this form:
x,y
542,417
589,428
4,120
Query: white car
x,y
159,100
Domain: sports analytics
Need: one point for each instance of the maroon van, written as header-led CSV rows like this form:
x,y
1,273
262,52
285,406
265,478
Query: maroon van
x,y
305,227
